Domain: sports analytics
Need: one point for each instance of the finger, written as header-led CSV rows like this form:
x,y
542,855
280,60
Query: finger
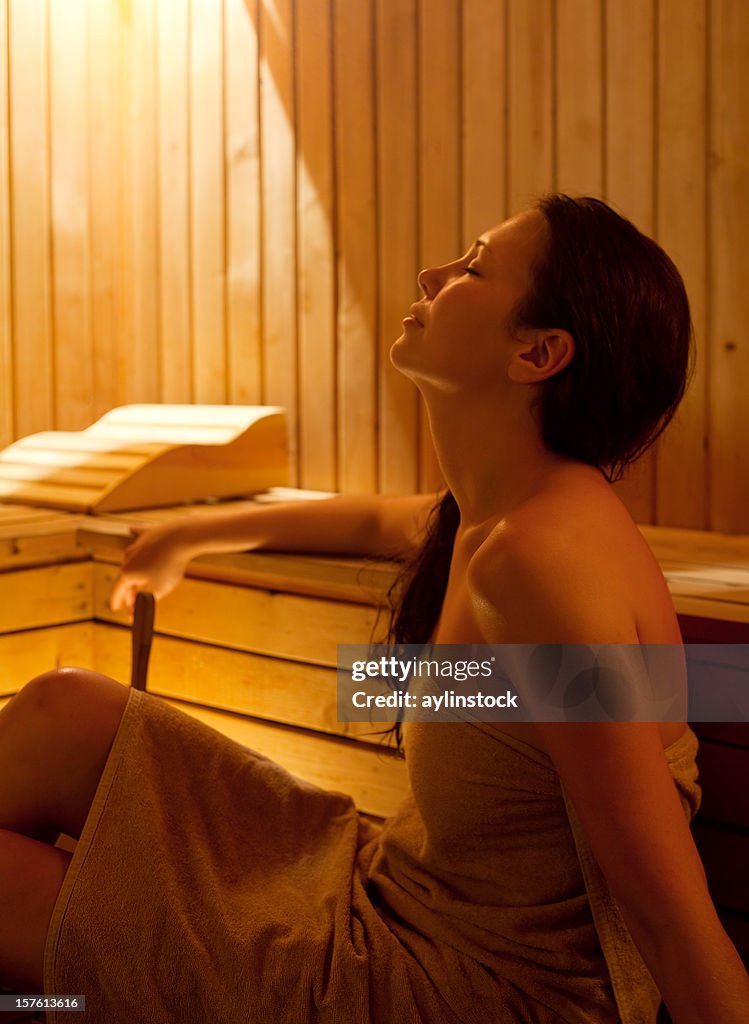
x,y
123,594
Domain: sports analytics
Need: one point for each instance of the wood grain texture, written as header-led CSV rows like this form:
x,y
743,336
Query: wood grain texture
x,y
244,346
278,625
279,241
483,90
397,239
7,431
107,186
530,163
316,258
71,270
682,229
175,269
729,302
231,200
356,266
25,655
271,689
140,351
630,171
439,164
48,596
578,93
33,369
207,200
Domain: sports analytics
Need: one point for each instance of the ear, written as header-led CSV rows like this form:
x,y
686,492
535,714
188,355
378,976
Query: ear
x,y
543,354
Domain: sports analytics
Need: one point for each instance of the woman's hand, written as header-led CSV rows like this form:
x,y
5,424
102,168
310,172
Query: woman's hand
x,y
156,561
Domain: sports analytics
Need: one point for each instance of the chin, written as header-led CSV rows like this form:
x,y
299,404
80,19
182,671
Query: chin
x,y
396,353
408,359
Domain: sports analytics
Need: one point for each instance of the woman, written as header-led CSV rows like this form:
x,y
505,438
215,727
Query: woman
x,y
536,872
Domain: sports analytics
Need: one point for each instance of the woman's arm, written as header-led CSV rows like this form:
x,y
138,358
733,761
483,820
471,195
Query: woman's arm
x,y
346,525
619,781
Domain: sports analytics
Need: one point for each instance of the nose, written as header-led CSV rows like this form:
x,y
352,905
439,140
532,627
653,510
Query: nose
x,y
431,280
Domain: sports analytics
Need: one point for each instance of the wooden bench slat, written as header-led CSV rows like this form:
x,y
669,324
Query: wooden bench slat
x,y
281,625
288,692
48,596
25,655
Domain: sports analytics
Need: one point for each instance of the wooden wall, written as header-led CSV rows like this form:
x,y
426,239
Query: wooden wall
x,y
229,200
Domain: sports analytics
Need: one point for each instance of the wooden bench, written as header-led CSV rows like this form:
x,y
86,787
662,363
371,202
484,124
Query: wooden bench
x,y
247,644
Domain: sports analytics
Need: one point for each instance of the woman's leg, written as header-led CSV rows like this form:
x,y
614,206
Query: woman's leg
x,y
31,874
55,736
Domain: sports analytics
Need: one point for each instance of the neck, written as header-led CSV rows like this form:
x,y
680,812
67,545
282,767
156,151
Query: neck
x,y
492,459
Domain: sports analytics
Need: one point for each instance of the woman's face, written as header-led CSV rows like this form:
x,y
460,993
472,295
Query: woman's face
x,y
456,336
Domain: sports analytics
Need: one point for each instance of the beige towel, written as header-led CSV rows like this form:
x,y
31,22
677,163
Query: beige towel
x,y
488,860
637,996
210,884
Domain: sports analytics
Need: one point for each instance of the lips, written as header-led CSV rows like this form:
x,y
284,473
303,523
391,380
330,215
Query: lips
x,y
414,312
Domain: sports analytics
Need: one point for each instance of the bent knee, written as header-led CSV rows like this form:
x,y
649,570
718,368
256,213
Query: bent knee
x,y
62,690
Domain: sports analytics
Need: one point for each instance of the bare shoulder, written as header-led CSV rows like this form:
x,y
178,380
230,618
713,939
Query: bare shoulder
x,y
574,556
569,571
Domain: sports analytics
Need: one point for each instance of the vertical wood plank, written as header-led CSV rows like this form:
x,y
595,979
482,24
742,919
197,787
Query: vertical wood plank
x,y
277,128
478,101
397,191
483,90
7,432
316,255
141,350
244,352
630,111
356,245
106,190
207,200
729,301
682,498
173,91
30,218
578,89
630,171
440,161
530,82
71,292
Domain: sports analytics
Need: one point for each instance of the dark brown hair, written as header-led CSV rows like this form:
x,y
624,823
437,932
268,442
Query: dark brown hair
x,y
624,303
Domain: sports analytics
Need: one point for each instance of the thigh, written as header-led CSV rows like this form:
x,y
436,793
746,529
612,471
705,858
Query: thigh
x,y
55,736
31,874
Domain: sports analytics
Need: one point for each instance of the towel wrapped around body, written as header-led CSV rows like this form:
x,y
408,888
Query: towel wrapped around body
x,y
209,883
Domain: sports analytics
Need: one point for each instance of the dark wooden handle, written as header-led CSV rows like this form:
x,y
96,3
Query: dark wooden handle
x,y
143,616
